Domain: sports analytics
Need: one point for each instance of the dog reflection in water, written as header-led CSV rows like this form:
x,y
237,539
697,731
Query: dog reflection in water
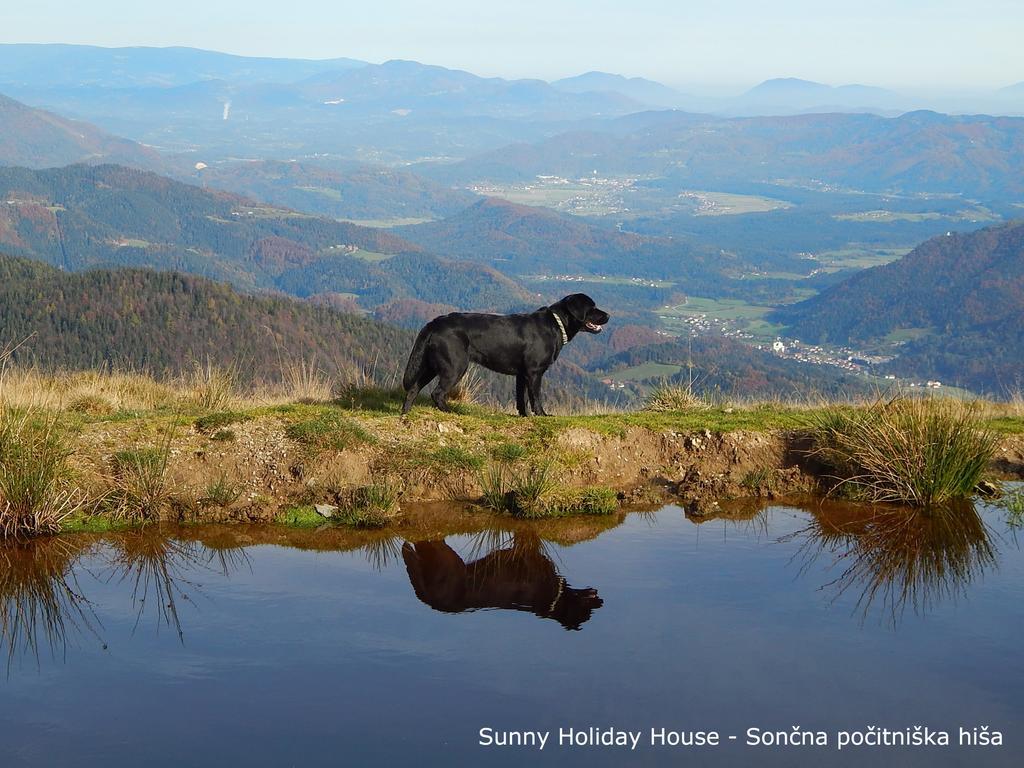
x,y
516,573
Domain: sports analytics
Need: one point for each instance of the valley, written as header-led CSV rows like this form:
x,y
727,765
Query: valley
x,y
353,186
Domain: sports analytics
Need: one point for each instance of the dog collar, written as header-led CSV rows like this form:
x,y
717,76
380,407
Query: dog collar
x,y
561,326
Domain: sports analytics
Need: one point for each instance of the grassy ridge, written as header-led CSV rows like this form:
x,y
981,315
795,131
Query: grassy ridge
x,y
124,448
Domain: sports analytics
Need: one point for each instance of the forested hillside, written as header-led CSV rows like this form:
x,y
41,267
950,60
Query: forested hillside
x,y
353,191
164,322
524,240
954,307
83,216
40,139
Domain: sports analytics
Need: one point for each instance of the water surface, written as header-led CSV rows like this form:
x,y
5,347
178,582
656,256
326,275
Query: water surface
x,y
256,646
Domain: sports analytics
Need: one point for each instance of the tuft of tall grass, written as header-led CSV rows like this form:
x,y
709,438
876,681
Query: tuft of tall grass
x,y
917,451
370,506
304,381
675,397
211,387
142,489
36,492
470,389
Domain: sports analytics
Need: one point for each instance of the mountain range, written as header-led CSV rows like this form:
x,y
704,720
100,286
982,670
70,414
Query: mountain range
x,y
918,151
52,65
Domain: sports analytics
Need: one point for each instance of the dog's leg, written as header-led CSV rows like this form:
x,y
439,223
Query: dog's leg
x,y
521,395
446,383
425,378
536,398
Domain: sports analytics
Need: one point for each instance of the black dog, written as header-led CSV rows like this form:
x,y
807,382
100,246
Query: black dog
x,y
523,346
519,577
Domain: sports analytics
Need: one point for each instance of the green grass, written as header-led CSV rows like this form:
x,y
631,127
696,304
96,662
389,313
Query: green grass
x,y
453,457
211,423
83,522
534,492
301,517
1014,505
220,493
370,506
328,431
509,453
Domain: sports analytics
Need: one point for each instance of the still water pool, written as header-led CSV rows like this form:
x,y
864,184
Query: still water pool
x,y
229,646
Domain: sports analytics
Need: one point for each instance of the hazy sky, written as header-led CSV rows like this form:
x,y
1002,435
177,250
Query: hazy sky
x,y
920,43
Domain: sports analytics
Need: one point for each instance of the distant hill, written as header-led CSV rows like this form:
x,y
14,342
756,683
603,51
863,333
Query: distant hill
x,y
918,151
49,65
85,216
638,89
164,321
525,240
354,191
791,94
427,89
39,139
957,301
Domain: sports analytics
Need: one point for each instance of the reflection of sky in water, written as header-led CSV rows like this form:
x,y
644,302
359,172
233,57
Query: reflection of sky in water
x,y
324,658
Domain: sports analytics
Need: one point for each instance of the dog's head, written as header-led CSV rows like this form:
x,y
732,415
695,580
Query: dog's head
x,y
584,311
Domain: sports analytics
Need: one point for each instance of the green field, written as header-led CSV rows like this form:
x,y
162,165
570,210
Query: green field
x,y
729,204
371,256
736,313
975,213
721,309
597,197
860,257
329,192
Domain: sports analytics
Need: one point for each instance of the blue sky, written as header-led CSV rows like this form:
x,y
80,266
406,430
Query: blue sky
x,y
908,43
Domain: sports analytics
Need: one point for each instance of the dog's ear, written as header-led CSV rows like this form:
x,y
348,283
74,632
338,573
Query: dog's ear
x,y
577,305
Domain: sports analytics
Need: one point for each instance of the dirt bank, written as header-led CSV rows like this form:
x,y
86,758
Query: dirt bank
x,y
249,467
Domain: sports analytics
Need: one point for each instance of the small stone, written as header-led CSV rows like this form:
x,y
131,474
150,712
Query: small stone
x,y
325,510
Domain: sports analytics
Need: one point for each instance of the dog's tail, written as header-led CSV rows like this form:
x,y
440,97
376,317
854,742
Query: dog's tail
x,y
414,367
